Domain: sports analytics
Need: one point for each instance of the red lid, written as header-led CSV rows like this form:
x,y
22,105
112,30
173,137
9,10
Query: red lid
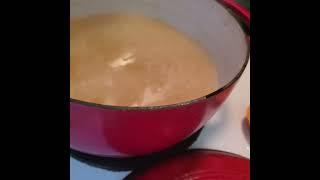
x,y
197,165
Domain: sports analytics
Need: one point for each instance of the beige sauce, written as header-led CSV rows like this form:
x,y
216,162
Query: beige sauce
x,y
129,60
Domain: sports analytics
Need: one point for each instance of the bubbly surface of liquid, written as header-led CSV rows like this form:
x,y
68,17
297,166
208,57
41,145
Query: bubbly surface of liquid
x,y
132,60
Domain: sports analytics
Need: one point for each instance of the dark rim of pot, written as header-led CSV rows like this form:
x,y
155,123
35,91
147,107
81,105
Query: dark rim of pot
x,y
171,106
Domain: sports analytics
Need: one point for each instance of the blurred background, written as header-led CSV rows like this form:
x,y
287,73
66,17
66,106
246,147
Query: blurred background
x,y
245,3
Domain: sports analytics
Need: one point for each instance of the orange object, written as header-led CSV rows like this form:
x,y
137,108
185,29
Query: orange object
x,y
248,115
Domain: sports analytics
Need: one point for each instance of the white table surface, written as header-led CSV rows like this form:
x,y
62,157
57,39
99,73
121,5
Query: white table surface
x,y
226,131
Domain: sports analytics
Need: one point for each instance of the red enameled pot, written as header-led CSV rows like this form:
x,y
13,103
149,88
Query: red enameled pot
x,y
114,131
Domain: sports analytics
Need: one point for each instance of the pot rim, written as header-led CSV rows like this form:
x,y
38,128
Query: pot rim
x,y
171,106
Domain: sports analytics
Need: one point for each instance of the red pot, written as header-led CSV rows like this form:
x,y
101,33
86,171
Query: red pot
x,y
114,131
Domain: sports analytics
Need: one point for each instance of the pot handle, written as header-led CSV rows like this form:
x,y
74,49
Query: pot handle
x,y
241,11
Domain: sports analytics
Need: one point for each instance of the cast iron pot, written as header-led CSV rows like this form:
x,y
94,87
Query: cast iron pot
x,y
116,131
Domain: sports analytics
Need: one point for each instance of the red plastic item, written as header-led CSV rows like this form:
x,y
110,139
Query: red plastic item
x,y
197,165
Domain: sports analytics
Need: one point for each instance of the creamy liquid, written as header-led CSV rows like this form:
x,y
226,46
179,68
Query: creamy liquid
x,y
130,60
